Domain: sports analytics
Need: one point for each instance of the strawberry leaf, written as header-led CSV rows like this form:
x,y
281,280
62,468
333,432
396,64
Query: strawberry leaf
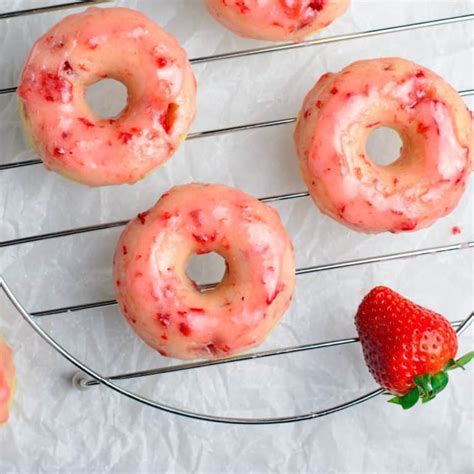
x,y
451,365
396,400
423,383
439,382
461,362
408,400
428,398
465,359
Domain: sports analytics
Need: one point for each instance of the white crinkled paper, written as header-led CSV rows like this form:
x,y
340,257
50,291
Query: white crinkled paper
x,y
54,427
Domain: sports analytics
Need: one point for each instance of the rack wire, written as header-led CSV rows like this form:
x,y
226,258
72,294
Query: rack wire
x,y
87,377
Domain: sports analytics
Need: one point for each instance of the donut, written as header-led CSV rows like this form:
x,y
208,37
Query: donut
x,y
115,43
428,179
276,20
7,381
166,308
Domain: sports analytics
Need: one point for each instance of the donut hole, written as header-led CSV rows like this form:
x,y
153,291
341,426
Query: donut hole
x,y
107,98
383,146
206,268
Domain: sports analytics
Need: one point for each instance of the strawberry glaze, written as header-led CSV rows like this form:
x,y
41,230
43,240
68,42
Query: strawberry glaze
x,y
276,20
164,306
82,49
7,380
430,176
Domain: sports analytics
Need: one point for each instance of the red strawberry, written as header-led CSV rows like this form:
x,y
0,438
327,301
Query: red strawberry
x,y
407,348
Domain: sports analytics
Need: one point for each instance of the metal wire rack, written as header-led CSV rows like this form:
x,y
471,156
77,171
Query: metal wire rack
x,y
87,377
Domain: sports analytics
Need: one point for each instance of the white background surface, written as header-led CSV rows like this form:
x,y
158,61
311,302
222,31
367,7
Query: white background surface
x,y
56,428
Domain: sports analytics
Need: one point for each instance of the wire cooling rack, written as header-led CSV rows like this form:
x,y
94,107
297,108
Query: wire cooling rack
x,y
87,377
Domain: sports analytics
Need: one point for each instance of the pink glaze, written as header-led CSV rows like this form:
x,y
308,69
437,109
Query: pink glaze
x,y
7,380
276,20
163,305
82,49
430,176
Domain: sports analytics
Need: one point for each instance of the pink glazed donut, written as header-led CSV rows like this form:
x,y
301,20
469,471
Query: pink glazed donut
x,y
276,20
7,380
428,179
165,307
82,49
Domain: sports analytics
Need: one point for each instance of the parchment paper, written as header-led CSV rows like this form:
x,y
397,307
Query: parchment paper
x,y
54,427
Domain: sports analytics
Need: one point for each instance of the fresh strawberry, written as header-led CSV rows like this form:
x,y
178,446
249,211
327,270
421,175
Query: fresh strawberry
x,y
408,349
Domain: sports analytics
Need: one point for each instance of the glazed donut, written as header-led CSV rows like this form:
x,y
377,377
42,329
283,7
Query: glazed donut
x,y
427,180
7,380
82,49
276,20
165,307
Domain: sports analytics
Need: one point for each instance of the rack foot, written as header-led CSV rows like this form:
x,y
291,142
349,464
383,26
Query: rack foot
x,y
79,381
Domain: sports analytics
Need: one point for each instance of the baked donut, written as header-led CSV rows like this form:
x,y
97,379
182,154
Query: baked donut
x,y
165,307
276,20
82,49
7,380
423,184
